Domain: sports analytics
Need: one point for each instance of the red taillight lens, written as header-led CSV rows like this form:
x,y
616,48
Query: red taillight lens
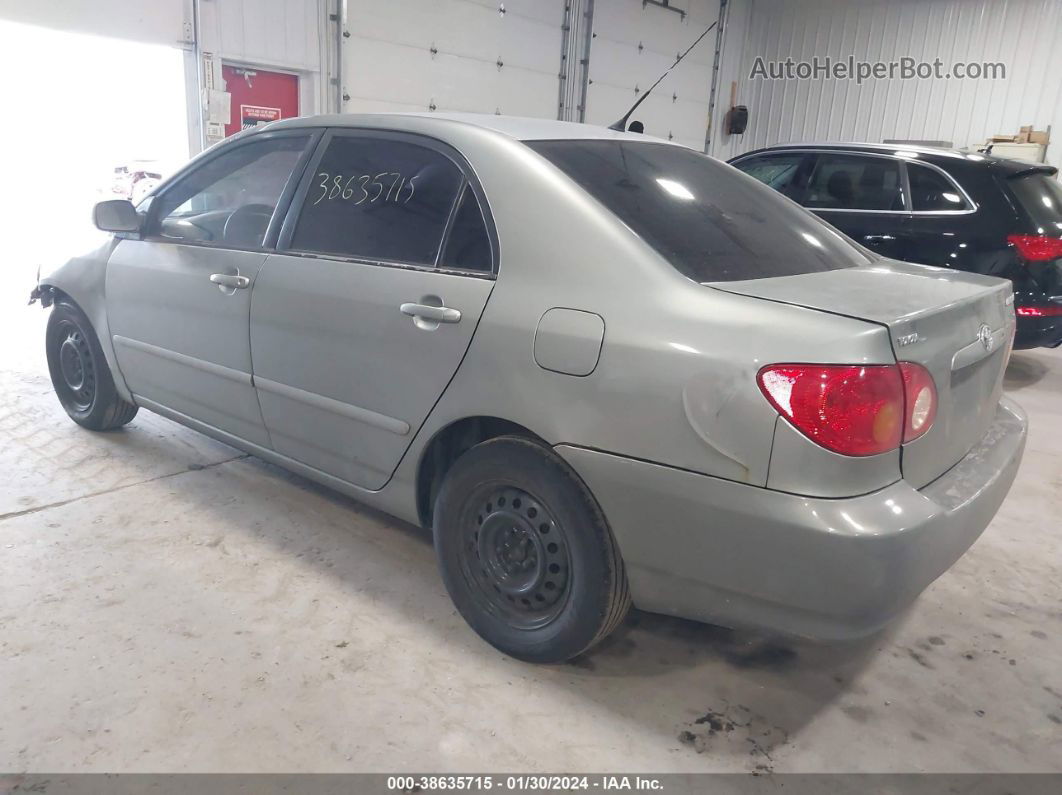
x,y
1040,311
920,400
851,409
1037,248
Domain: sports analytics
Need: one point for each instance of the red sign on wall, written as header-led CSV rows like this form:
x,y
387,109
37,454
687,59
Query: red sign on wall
x,y
259,97
253,115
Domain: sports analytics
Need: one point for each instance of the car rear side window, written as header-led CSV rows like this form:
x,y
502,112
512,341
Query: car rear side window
x,y
468,244
1040,194
855,182
710,221
380,199
931,191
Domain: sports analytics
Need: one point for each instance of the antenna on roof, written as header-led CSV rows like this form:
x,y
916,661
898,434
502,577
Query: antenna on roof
x,y
621,124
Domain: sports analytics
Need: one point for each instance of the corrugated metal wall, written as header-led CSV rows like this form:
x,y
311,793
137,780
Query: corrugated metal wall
x,y
1025,35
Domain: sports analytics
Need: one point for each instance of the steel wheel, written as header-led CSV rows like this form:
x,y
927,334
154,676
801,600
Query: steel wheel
x,y
80,376
76,366
516,557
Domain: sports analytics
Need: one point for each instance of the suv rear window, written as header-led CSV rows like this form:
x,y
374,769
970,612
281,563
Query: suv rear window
x,y
1041,196
710,221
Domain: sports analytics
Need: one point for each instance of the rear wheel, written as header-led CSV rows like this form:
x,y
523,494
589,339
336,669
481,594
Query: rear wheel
x,y
526,554
80,375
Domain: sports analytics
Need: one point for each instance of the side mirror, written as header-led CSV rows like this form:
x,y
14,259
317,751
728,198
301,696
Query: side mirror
x,y
116,215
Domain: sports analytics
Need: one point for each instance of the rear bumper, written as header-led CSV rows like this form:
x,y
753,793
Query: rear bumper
x,y
728,553
1038,332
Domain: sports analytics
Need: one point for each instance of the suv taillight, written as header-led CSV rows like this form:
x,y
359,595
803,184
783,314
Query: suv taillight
x,y
1037,248
855,410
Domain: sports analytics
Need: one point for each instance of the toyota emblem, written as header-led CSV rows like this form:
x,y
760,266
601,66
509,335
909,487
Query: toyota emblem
x,y
984,335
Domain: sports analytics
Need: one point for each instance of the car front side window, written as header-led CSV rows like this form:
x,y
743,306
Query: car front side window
x,y
378,199
229,200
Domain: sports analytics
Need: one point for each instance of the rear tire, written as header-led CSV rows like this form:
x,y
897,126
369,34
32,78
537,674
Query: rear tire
x,y
526,554
80,375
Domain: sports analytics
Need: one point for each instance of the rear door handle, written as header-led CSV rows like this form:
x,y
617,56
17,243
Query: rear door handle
x,y
437,314
236,282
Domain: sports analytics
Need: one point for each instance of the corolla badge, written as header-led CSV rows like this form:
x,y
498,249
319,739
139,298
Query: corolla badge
x,y
984,336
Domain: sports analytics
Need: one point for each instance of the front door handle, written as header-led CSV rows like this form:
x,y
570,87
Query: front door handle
x,y
235,282
436,314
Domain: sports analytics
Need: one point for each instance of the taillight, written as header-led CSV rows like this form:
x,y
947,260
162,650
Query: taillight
x,y
1040,311
920,400
1037,248
855,410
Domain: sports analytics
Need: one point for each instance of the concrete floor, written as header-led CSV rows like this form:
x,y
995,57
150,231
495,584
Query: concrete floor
x,y
168,604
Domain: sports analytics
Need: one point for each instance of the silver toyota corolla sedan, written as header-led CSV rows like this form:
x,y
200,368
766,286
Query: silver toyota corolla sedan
x,y
602,368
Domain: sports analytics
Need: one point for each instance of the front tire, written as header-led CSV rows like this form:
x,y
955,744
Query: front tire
x,y
80,375
526,554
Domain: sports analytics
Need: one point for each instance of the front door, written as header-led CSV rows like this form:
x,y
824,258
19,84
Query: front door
x,y
258,96
360,320
178,298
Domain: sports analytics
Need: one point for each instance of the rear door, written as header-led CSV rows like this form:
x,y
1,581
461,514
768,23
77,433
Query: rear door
x,y
863,196
361,318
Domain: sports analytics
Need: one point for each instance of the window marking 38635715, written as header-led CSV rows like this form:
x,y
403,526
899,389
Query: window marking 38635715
x,y
387,185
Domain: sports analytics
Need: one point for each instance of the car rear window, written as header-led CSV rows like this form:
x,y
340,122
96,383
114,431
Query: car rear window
x,y
1040,195
710,221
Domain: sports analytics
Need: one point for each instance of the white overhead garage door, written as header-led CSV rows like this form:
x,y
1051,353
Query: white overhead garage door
x,y
633,44
482,56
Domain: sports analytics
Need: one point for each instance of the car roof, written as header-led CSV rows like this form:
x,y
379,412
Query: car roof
x,y
517,127
1003,164
872,147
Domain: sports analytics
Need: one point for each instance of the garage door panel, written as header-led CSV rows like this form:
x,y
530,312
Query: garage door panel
x,y
679,106
622,64
390,21
378,69
532,46
388,57
528,94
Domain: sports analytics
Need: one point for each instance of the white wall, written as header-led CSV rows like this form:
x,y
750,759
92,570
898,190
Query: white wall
x,y
146,21
1023,34
388,64
678,107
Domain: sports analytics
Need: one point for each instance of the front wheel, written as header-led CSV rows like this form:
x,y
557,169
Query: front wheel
x,y
526,554
80,375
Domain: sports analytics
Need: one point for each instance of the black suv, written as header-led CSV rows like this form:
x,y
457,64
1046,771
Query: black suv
x,y
937,207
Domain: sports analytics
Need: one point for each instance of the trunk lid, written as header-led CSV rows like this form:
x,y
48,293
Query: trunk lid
x,y
959,326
